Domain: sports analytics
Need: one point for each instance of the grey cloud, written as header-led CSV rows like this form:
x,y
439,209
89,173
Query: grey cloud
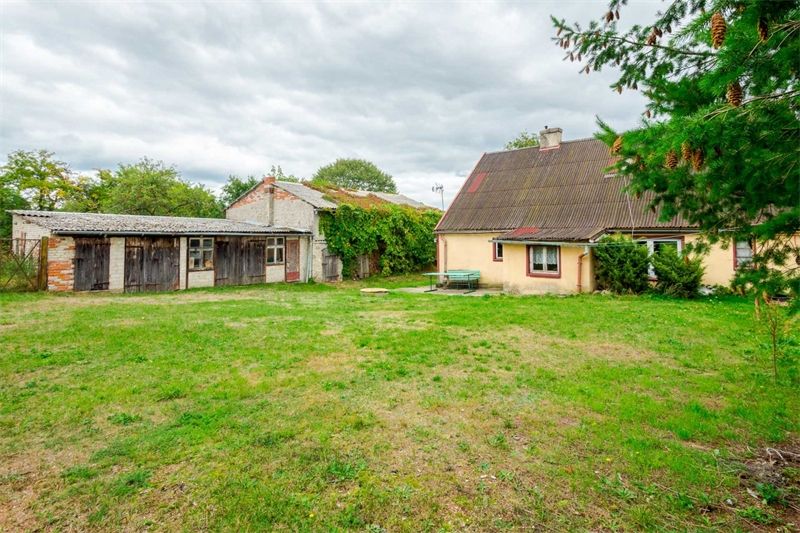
x,y
420,89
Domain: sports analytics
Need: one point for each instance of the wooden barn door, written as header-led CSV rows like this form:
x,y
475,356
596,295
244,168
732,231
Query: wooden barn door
x,y
292,259
152,264
239,260
92,261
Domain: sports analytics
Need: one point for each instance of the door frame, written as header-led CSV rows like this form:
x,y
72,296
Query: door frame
x,y
286,259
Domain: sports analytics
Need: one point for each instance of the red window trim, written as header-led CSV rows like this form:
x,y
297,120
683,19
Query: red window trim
x,y
494,252
552,275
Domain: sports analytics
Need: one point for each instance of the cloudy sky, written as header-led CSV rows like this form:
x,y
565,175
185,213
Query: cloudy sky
x,y
420,89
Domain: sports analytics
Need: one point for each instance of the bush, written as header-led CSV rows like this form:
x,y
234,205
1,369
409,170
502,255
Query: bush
x,y
621,265
677,275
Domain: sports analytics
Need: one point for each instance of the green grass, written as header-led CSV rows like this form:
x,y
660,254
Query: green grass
x,y
311,407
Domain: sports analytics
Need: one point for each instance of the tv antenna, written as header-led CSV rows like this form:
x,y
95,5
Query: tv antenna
x,y
438,187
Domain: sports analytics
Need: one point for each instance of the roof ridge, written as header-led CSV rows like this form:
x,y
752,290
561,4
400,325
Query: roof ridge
x,y
537,146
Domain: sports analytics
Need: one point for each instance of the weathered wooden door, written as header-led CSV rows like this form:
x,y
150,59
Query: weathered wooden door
x,y
292,259
92,261
152,264
240,260
330,266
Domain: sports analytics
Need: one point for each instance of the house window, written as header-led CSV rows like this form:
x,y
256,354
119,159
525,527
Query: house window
x,y
498,251
201,253
656,245
274,250
544,261
742,254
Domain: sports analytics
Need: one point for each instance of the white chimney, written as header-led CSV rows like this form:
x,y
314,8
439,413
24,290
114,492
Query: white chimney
x,y
550,137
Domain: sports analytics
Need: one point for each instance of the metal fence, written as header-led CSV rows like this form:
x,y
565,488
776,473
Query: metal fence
x,y
23,264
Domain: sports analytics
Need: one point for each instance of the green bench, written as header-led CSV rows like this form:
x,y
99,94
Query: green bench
x,y
460,277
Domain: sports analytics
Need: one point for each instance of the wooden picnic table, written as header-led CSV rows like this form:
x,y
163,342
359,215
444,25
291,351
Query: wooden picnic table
x,y
469,277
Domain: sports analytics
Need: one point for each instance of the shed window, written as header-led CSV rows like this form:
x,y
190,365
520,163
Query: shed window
x,y
544,260
201,253
498,251
743,253
275,250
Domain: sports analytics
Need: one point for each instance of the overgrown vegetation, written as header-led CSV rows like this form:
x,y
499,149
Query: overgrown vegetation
x,y
677,274
401,236
622,265
313,408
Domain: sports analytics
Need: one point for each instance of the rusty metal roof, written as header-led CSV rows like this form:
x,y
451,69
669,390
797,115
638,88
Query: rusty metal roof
x,y
61,222
562,193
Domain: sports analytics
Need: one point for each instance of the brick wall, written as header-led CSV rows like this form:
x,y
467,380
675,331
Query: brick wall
x,y
22,229
60,265
253,206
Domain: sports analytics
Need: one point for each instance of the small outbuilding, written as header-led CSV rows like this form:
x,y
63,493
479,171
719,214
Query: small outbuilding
x,y
132,253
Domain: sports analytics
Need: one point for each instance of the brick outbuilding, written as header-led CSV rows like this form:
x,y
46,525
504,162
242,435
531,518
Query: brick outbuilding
x,y
132,253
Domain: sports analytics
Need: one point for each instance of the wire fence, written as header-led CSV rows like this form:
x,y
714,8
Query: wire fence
x,y
23,265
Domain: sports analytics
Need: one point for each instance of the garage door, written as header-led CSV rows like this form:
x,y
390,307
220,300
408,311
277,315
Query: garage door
x,y
152,264
239,260
92,256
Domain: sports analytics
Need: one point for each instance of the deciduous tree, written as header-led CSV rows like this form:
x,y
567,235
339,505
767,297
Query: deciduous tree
x,y
355,174
523,140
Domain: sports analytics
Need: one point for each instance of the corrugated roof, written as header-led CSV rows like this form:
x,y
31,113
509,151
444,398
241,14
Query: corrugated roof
x,y
60,222
307,194
318,199
563,193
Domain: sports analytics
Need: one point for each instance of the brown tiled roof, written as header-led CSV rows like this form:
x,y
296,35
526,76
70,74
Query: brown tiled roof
x,y
552,194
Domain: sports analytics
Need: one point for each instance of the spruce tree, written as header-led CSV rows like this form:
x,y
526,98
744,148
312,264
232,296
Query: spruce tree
x,y
719,141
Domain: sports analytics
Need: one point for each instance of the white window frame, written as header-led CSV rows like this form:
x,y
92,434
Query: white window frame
x,y
276,245
203,247
497,253
546,272
742,261
651,249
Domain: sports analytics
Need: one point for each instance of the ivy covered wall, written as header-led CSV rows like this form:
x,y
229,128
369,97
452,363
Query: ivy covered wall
x,y
402,236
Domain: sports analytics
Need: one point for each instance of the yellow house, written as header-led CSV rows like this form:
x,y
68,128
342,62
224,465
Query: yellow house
x,y
528,219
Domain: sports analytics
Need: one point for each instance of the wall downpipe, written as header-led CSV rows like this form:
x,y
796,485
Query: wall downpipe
x,y
580,267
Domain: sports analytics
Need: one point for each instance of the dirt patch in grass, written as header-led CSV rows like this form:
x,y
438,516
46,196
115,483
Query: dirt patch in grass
x,y
25,478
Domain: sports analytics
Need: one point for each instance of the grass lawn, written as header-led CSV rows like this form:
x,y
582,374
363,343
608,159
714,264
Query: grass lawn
x,y
312,407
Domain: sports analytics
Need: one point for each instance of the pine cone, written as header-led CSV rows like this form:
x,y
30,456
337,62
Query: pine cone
x,y
617,146
763,30
671,160
686,151
734,94
697,160
718,29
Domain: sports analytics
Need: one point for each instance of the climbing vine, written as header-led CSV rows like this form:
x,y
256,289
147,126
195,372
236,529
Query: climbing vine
x,y
402,237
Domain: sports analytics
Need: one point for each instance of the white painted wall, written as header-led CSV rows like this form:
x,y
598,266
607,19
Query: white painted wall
x,y
201,278
275,273
183,256
22,229
116,267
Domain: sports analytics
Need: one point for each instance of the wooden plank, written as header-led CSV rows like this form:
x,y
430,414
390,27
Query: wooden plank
x,y
91,263
239,260
43,246
152,264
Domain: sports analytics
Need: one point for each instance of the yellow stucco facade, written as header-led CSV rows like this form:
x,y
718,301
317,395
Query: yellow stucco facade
x,y
475,251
